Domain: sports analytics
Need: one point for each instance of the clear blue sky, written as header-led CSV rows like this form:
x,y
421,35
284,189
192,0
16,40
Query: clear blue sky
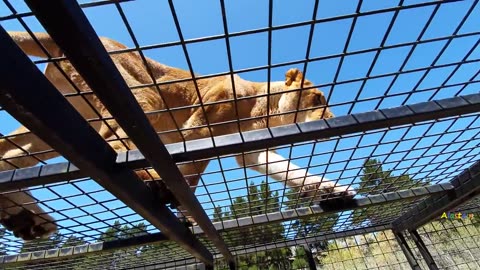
x,y
152,23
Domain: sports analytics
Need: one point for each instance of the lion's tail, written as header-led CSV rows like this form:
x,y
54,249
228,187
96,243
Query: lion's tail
x,y
31,47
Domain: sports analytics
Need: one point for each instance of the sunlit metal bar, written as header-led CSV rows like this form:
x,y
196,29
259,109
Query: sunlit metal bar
x,y
423,250
310,259
321,129
89,249
71,30
260,139
308,240
62,127
466,186
330,206
407,251
257,220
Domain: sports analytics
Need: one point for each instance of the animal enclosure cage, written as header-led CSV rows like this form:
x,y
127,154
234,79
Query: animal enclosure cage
x,y
402,78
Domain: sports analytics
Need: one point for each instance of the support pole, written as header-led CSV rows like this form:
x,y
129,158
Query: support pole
x,y
407,251
310,259
423,250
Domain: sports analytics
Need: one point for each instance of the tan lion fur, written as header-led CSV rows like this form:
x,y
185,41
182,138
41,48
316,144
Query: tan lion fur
x,y
192,121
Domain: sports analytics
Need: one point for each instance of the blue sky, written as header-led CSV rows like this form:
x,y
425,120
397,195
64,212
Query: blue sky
x,y
152,23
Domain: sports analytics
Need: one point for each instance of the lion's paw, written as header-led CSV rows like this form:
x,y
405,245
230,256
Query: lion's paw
x,y
28,225
320,188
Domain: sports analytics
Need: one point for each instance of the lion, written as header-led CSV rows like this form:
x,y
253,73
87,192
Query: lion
x,y
179,109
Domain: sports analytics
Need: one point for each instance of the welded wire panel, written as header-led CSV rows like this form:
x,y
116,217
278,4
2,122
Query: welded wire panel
x,y
241,238
315,226
162,256
403,64
410,156
84,211
452,243
369,251
453,238
366,251
363,55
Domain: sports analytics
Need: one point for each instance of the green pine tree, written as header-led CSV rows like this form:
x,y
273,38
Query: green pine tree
x,y
260,200
377,180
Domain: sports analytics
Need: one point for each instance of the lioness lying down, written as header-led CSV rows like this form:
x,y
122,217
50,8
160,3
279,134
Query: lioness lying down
x,y
27,220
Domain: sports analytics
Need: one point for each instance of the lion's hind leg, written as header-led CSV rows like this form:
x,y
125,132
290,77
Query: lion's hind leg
x,y
19,211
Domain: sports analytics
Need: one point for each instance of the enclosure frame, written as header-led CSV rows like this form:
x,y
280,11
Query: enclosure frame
x,y
62,127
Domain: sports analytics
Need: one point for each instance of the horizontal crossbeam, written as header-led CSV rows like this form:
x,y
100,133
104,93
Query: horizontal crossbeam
x,y
330,206
257,220
315,130
259,139
90,249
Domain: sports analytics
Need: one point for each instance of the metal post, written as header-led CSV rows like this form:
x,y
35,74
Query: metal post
x,y
310,259
407,251
423,250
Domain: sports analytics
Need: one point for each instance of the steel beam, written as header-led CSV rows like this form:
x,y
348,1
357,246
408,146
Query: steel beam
x,y
423,250
466,186
109,246
315,130
69,27
311,261
259,139
40,175
327,207
38,105
309,240
402,242
259,220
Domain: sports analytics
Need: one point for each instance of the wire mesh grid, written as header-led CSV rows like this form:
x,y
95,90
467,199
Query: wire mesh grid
x,y
369,251
400,63
82,208
166,255
452,239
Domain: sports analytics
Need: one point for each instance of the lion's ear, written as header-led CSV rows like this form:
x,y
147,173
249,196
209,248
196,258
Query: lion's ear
x,y
293,75
321,97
